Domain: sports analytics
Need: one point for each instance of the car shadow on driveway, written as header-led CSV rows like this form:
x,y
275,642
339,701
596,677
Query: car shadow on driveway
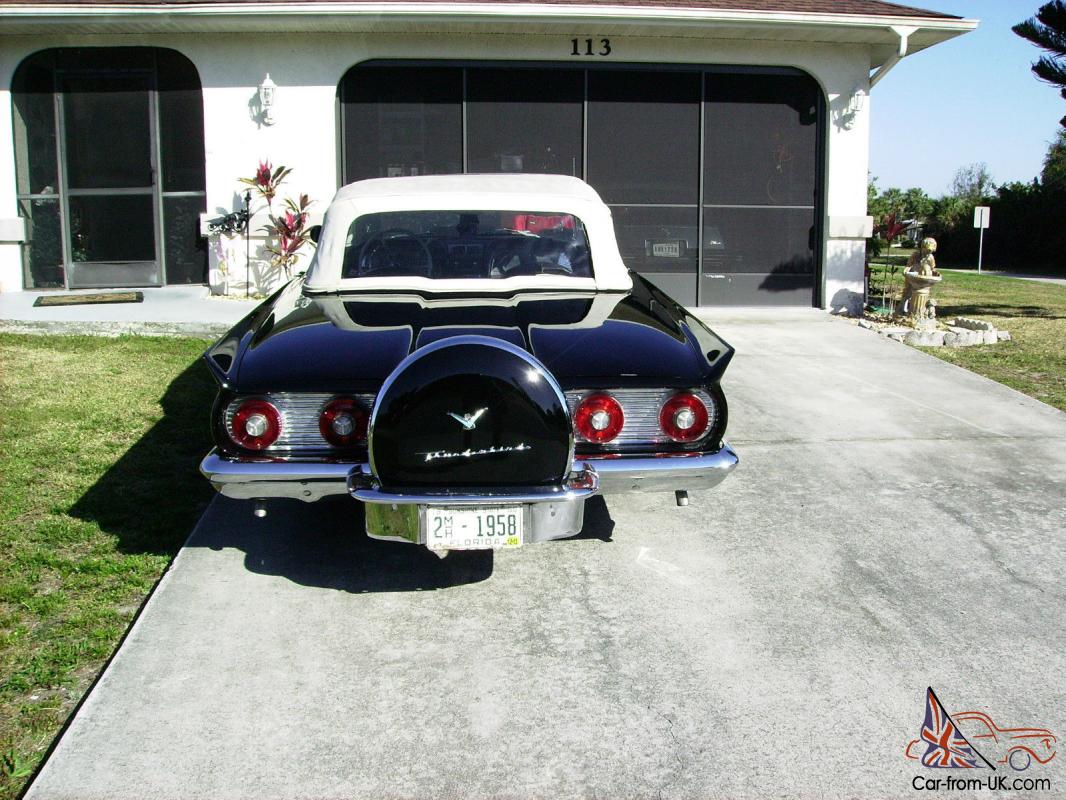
x,y
153,494
324,545
151,497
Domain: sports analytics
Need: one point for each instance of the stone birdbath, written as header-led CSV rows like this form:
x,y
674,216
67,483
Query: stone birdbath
x,y
920,277
919,282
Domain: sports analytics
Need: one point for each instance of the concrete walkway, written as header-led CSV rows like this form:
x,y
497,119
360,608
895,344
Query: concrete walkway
x,y
1057,280
170,310
895,523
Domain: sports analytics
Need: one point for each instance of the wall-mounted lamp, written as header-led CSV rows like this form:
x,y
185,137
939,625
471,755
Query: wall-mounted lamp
x,y
267,91
851,110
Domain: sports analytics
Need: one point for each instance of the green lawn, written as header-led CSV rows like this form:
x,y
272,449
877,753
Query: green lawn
x,y
1034,362
99,444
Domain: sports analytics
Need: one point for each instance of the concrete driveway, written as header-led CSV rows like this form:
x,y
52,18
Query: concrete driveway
x,y
896,523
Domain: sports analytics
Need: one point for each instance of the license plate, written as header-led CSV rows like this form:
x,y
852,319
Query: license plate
x,y
666,249
473,528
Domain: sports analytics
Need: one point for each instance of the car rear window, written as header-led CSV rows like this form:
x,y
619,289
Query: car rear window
x,y
466,244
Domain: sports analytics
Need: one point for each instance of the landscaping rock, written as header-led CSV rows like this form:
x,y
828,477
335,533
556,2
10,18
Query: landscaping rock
x,y
925,338
962,332
957,335
973,324
967,338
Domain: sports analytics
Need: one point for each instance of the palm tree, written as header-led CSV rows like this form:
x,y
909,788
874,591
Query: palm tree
x,y
1047,30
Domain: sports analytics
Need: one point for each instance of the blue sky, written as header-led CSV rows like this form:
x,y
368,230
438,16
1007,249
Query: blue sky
x,y
968,100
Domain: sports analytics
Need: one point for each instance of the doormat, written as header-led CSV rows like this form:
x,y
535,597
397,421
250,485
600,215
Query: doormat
x,y
88,299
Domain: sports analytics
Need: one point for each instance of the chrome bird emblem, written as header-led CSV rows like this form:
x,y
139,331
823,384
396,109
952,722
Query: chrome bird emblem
x,y
468,421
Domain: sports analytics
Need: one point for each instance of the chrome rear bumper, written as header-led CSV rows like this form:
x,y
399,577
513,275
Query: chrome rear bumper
x,y
310,481
668,473
260,480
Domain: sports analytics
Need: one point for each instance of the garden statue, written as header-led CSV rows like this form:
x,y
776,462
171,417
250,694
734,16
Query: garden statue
x,y
920,277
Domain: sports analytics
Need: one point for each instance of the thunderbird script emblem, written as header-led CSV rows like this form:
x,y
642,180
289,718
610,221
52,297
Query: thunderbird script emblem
x,y
468,421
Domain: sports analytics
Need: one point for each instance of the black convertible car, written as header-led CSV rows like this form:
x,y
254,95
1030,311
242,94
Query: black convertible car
x,y
469,357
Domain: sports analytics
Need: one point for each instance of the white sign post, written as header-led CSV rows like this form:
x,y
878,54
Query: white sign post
x,y
981,216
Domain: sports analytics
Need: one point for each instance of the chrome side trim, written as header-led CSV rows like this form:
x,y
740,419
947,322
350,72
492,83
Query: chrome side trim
x,y
663,474
579,485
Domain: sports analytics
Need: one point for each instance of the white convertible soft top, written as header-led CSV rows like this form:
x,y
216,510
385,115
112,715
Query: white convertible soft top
x,y
556,194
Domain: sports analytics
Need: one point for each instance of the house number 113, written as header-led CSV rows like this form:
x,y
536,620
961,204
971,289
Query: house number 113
x,y
587,47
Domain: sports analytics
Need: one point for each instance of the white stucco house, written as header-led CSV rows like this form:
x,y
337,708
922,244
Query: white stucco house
x,y
729,137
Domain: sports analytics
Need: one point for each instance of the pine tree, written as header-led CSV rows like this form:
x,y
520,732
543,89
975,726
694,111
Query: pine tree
x,y
1047,30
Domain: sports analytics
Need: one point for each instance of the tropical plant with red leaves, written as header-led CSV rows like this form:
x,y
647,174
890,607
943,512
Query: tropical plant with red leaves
x,y
290,233
267,179
891,227
287,233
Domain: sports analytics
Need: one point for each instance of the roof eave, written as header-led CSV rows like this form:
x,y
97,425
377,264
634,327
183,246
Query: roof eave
x,y
31,18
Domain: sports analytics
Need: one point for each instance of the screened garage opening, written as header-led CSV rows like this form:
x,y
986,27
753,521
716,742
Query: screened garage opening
x,y
713,174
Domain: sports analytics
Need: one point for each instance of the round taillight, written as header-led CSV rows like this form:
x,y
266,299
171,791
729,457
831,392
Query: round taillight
x,y
343,422
256,425
599,418
684,417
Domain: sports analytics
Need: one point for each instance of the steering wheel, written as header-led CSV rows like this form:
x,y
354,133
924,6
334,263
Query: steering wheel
x,y
379,246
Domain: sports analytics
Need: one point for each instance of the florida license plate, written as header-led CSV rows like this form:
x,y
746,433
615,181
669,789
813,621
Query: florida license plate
x,y
473,528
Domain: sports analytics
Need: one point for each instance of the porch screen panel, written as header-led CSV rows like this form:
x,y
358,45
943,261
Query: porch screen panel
x,y
181,124
402,121
42,252
643,159
760,175
108,137
524,120
36,171
35,127
112,228
181,146
185,249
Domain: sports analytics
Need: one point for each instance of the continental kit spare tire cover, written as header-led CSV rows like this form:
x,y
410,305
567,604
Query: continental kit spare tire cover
x,y
470,411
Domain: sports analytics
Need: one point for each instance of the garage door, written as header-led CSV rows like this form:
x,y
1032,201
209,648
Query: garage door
x,y
713,174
